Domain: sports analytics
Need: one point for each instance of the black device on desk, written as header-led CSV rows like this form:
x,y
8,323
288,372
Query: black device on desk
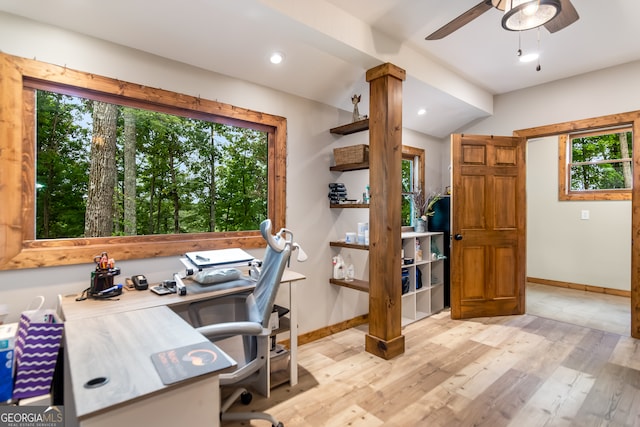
x,y
170,287
160,290
140,282
164,288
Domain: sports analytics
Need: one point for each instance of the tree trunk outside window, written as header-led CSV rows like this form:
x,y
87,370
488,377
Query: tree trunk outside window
x,y
130,170
99,213
626,166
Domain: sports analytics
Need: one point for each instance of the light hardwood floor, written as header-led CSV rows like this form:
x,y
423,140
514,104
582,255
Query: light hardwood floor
x,y
610,313
504,371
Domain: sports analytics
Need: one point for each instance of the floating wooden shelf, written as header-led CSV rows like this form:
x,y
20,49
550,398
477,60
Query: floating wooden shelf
x,y
349,167
349,205
339,244
358,285
350,128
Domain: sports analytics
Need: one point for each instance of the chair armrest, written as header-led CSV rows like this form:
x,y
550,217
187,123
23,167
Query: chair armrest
x,y
230,328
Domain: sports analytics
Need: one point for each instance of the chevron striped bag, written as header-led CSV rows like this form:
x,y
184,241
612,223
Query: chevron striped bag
x,y
37,345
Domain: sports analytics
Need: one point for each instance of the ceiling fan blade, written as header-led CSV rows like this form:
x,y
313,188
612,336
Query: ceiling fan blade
x,y
461,20
567,16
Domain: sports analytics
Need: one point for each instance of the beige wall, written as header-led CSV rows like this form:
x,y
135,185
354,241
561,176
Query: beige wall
x,y
560,245
310,147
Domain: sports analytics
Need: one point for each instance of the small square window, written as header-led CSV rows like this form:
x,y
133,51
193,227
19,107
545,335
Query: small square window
x,y
596,165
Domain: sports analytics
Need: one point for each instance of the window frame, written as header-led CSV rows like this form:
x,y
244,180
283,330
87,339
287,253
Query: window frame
x,y
417,156
18,246
564,170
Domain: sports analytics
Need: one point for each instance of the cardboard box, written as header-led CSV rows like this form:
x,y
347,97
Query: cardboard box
x,y
8,334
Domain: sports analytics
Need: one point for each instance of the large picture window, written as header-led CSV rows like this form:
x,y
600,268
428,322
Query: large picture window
x,y
149,172
202,176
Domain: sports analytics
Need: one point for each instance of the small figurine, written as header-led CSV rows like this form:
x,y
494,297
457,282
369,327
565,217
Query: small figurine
x,y
356,114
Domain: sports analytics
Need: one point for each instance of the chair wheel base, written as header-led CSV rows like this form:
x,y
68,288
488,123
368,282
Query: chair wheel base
x,y
246,398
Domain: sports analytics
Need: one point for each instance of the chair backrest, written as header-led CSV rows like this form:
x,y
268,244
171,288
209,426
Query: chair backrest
x,y
273,265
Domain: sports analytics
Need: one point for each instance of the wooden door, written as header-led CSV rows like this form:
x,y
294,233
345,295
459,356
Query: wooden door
x,y
488,244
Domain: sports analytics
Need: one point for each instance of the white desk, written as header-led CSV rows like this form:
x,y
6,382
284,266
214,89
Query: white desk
x,y
118,347
125,312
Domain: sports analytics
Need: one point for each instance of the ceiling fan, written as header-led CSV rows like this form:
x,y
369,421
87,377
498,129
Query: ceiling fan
x,y
566,15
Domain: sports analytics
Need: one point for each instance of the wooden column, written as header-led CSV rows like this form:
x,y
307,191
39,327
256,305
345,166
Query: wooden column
x,y
385,163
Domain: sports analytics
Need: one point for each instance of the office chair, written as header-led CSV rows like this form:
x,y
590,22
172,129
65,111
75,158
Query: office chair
x,y
247,321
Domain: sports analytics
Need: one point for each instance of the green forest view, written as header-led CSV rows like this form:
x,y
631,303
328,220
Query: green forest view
x,y
601,161
110,170
406,212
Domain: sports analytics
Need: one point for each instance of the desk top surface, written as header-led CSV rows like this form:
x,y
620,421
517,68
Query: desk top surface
x,y
131,300
115,338
118,347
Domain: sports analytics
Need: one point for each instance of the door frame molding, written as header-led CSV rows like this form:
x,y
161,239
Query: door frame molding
x,y
631,118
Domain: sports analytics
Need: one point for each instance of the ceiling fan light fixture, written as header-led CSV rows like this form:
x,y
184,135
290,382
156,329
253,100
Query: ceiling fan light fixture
x,y
520,15
529,57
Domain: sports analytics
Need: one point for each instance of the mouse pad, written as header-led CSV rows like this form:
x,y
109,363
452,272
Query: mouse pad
x,y
190,361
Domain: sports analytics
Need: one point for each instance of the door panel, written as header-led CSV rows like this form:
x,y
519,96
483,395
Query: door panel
x,y
506,278
504,190
488,222
471,192
473,260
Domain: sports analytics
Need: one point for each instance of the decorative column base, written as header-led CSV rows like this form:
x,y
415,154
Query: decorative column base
x,y
384,349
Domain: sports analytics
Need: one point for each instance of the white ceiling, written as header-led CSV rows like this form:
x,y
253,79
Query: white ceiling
x,y
329,45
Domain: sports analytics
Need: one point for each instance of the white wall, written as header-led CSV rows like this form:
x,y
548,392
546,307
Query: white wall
x,y
309,154
560,246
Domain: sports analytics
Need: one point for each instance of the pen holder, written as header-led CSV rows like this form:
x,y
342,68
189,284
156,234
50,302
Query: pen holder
x,y
102,280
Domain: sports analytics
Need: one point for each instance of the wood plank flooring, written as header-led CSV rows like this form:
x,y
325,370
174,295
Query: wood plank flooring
x,y
504,371
610,313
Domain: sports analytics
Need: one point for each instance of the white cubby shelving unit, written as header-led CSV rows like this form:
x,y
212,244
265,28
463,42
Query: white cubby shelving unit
x,y
425,293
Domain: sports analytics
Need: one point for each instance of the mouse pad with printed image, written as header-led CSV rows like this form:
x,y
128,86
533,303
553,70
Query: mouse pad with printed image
x,y
190,361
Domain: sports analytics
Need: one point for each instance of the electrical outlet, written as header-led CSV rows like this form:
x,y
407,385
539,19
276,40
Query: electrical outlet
x,y
584,214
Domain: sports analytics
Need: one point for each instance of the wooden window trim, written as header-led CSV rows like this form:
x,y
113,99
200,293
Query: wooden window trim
x,y
564,189
631,118
19,249
416,155
411,153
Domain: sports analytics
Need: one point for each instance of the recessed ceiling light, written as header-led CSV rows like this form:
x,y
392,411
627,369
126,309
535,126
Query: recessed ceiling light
x,y
529,57
276,57
422,112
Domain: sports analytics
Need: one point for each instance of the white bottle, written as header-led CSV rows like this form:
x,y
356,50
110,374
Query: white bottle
x,y
350,272
338,267
334,262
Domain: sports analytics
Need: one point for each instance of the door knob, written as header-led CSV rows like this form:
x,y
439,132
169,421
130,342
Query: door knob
x,y
458,237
